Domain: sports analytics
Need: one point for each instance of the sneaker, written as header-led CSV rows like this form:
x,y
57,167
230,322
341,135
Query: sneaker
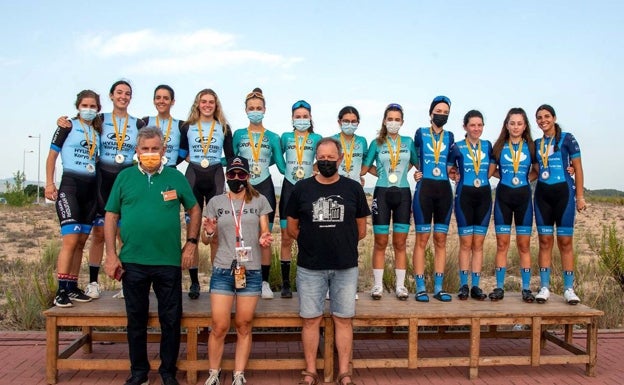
x,y
286,291
93,290
477,293
62,299
376,292
464,291
527,296
267,293
169,380
543,295
119,295
570,297
194,291
213,378
239,379
497,294
78,295
137,380
402,293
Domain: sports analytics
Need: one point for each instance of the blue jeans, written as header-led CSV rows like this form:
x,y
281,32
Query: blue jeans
x,y
167,282
222,282
312,286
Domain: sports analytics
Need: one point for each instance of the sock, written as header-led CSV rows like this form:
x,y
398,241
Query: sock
x,y
476,278
463,277
545,277
63,281
526,278
420,282
285,271
568,280
265,272
500,277
438,280
193,273
400,277
72,282
94,271
378,277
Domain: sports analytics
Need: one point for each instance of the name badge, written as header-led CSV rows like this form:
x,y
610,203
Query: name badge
x,y
170,195
243,254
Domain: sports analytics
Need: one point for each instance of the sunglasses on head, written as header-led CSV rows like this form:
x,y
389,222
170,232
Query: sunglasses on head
x,y
442,99
394,105
301,103
254,95
236,174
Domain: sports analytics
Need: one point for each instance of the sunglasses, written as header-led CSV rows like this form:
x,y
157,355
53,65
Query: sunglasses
x,y
395,106
442,99
300,104
254,95
236,174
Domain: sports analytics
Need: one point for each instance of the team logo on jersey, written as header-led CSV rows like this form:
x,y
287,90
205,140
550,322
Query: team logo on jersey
x,y
112,136
523,156
482,155
442,147
199,140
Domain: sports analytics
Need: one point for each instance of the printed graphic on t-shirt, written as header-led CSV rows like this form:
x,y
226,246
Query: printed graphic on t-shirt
x,y
328,209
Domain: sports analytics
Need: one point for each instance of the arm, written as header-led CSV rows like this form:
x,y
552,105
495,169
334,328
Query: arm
x,y
493,171
110,239
50,191
192,231
579,183
266,238
292,227
278,155
228,148
361,225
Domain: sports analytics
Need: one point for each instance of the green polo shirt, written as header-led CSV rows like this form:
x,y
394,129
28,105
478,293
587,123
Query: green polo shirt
x,y
150,208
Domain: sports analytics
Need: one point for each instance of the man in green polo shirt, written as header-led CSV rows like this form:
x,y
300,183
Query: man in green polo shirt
x,y
149,196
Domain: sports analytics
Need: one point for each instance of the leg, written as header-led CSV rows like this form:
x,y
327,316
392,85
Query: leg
x,y
344,345
221,308
137,284
245,308
168,290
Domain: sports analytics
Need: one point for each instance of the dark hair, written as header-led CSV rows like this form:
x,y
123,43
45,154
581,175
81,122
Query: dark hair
x,y
437,100
305,105
165,87
119,82
503,137
348,110
472,114
255,94
326,140
97,122
551,110
383,132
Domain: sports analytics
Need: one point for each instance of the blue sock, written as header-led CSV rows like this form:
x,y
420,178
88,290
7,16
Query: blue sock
x,y
420,282
526,278
568,280
476,278
463,277
500,276
545,277
438,279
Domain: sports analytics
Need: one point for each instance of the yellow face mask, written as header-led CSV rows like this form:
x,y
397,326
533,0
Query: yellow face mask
x,y
150,160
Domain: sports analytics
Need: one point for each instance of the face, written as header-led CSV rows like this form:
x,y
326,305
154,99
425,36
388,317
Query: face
x,y
150,145
207,106
474,128
121,96
348,119
254,105
301,113
394,116
90,103
516,126
163,101
441,109
236,174
328,151
546,121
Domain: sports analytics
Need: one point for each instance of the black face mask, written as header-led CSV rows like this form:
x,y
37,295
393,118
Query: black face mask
x,y
236,185
439,119
327,168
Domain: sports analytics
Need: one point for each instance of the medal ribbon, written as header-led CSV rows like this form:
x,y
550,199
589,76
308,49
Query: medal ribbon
x,y
120,139
168,128
437,145
91,144
257,146
544,151
300,146
394,156
238,222
515,155
205,143
348,151
476,156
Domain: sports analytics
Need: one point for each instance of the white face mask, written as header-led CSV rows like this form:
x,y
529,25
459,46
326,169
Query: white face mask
x,y
393,127
301,124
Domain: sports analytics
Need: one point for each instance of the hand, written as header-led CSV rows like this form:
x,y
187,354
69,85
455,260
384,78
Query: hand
x,y
418,175
581,205
63,121
188,255
570,170
111,264
265,239
51,192
210,224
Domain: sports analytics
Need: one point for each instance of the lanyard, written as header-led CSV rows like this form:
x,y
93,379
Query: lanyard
x,y
257,146
205,143
348,152
300,147
394,156
91,143
544,151
475,153
168,128
515,155
437,145
238,223
120,138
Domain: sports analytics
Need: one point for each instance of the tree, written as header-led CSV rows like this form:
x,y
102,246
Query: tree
x,y
15,194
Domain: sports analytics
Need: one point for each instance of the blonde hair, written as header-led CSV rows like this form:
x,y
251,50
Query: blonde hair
x,y
219,116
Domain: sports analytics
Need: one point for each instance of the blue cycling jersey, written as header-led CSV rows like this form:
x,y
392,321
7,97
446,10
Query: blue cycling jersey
x,y
78,147
113,144
462,155
506,167
199,148
172,133
425,143
553,164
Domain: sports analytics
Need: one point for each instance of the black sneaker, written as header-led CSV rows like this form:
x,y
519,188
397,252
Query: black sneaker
x,y
286,291
78,295
477,293
463,292
137,380
169,380
497,294
62,299
527,296
194,291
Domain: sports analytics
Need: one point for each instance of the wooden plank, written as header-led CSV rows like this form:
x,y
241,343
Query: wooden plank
x,y
475,343
412,344
73,347
592,348
536,340
52,348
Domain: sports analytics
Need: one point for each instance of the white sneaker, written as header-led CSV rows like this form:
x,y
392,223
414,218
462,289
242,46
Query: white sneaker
x,y
213,378
267,293
120,294
570,297
377,292
543,295
402,293
239,379
93,290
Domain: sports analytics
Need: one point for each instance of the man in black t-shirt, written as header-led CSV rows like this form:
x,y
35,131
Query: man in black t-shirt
x,y
327,215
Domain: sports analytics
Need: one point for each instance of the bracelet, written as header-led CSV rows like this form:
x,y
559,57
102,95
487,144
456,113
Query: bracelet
x,y
192,240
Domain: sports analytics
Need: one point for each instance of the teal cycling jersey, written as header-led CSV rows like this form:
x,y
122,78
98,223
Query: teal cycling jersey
x,y
118,144
172,133
269,152
290,142
381,156
356,148
78,147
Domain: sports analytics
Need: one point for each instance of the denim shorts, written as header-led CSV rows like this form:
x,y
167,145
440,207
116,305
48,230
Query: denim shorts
x,y
312,287
222,282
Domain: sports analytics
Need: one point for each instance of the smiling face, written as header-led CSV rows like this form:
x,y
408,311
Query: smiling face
x,y
546,121
474,128
121,96
163,101
207,106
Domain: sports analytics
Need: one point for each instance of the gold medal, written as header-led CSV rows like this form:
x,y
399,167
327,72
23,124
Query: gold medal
x,y
393,178
477,183
90,168
515,181
256,169
436,171
300,173
119,158
204,163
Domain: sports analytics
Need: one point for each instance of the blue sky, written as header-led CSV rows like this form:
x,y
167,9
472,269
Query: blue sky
x,y
485,55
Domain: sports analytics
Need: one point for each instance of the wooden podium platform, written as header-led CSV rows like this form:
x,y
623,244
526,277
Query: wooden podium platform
x,y
389,318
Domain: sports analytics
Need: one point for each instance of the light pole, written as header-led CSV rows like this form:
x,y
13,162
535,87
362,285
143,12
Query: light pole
x,y
24,163
38,162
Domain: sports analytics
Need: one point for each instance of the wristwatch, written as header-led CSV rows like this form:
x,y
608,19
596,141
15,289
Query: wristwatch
x,y
192,240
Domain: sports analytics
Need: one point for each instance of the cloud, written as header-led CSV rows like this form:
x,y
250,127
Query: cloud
x,y
160,53
9,62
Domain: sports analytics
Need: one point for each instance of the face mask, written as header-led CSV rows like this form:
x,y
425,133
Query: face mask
x,y
301,124
439,119
236,185
87,114
393,127
327,168
255,117
348,128
150,160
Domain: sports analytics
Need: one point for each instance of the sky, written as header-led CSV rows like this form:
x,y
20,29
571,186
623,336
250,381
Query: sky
x,y
484,55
